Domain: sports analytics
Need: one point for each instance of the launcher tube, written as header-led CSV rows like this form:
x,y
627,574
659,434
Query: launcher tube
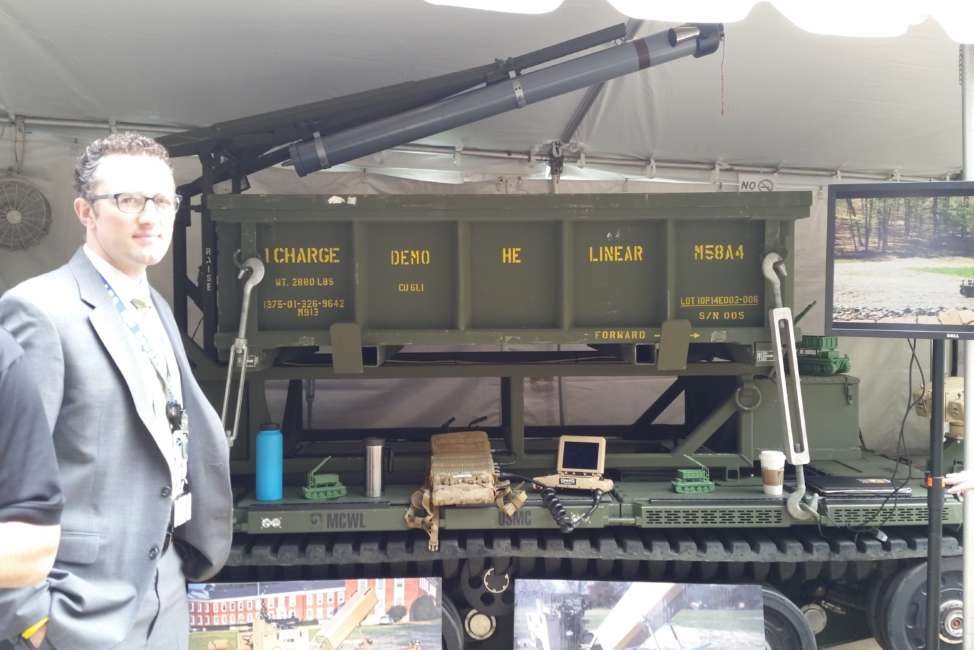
x,y
326,151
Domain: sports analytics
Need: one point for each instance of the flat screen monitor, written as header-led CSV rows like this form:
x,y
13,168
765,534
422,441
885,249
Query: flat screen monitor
x,y
901,260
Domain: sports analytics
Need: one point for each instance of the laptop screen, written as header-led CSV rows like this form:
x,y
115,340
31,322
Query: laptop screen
x,y
580,456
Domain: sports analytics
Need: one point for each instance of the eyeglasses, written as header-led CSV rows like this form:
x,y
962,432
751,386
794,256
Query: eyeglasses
x,y
132,203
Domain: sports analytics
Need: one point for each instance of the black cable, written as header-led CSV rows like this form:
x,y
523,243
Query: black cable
x,y
507,476
901,451
549,497
197,328
862,442
596,501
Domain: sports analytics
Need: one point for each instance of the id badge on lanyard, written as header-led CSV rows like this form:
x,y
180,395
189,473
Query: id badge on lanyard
x,y
182,508
183,501
175,415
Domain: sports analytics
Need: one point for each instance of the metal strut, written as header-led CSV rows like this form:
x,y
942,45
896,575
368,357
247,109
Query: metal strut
x,y
253,268
790,392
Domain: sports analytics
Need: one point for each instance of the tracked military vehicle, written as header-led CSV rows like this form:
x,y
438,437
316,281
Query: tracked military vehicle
x,y
696,260
692,288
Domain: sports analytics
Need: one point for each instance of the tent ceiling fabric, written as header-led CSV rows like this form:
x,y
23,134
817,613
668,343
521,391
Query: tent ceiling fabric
x,y
790,98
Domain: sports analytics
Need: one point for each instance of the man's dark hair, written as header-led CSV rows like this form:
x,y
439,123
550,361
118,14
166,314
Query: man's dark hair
x,y
126,142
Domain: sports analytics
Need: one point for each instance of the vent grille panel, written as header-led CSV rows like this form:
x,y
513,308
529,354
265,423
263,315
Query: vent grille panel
x,y
711,518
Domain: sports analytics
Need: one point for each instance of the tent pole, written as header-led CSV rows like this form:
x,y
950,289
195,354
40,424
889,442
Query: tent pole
x,y
935,494
967,150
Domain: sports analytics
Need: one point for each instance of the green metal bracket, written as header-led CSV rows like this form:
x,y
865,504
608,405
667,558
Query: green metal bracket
x,y
346,348
674,345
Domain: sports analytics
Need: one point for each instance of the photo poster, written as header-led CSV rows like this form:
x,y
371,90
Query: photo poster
x,y
607,615
388,613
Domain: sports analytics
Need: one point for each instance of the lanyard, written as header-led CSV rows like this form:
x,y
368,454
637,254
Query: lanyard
x,y
173,408
181,510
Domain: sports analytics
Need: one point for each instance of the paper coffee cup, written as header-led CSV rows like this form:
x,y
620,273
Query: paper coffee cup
x,y
773,471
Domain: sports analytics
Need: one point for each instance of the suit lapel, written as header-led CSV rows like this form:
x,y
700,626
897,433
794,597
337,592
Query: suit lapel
x,y
111,332
175,340
206,431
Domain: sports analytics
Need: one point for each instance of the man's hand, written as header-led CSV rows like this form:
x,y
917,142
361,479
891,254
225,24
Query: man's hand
x,y
960,482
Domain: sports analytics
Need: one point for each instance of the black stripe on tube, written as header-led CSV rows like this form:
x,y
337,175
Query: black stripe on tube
x,y
643,53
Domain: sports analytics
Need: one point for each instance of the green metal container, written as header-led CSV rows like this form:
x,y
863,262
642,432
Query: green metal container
x,y
503,269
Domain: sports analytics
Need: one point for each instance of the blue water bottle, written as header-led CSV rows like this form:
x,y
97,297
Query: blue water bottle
x,y
270,463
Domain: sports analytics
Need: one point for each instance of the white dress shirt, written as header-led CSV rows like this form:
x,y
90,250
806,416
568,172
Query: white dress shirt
x,y
129,289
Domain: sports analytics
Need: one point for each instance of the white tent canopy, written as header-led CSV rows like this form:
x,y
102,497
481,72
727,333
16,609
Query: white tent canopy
x,y
814,108
775,96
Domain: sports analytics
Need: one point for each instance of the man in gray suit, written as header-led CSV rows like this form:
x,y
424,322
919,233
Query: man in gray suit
x,y
142,455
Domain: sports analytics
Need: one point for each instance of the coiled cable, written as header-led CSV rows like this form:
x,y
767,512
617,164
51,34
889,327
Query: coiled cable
x,y
567,523
549,497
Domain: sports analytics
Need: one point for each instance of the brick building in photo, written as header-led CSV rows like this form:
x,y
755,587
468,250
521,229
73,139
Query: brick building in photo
x,y
221,606
392,592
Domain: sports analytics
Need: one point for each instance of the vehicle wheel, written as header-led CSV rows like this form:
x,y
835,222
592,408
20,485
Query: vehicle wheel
x,y
785,627
905,618
488,591
876,605
452,626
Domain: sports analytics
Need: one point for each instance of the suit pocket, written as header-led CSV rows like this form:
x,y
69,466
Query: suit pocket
x,y
78,548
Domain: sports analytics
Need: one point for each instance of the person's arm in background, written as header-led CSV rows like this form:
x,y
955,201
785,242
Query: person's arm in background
x,y
960,482
30,499
30,495
26,553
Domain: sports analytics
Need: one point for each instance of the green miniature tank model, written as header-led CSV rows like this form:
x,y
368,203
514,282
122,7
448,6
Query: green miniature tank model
x,y
321,487
693,480
818,357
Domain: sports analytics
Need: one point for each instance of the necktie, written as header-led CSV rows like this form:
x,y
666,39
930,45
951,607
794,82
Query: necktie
x,y
157,353
142,312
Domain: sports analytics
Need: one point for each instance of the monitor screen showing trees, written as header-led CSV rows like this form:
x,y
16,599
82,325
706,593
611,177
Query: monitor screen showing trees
x,y
901,259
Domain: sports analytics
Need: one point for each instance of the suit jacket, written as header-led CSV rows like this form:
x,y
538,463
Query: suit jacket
x,y
113,472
